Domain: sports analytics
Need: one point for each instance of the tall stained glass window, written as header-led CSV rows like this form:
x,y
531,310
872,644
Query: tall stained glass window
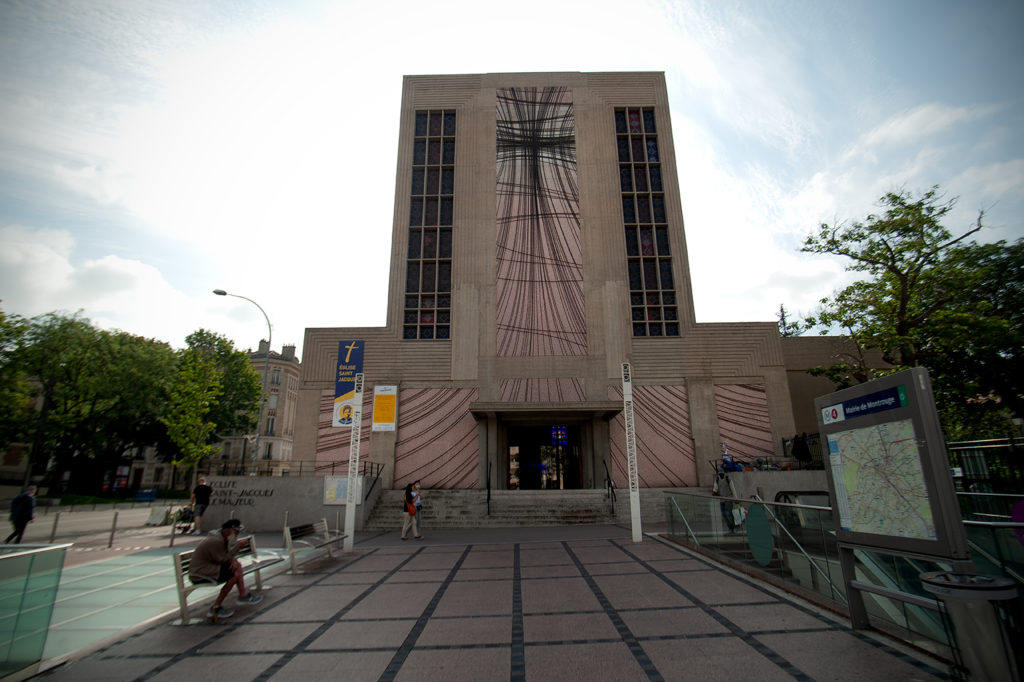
x,y
652,294
428,281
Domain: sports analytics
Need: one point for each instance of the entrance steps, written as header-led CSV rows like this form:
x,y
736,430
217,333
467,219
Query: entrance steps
x,y
510,508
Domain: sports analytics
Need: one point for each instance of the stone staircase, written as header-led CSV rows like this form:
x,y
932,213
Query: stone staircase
x,y
468,509
509,508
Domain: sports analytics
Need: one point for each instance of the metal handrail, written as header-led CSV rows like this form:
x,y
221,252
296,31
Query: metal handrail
x,y
609,484
25,550
488,487
685,522
377,468
800,547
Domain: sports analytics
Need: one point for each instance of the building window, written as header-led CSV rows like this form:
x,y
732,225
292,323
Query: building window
x,y
269,454
272,402
428,274
270,426
275,378
226,451
652,293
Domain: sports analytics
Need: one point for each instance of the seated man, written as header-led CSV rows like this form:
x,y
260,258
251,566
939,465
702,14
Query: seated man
x,y
213,561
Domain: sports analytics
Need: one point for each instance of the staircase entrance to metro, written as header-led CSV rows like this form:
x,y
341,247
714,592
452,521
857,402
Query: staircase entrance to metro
x,y
544,457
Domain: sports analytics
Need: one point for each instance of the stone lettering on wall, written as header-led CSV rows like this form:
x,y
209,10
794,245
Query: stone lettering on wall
x,y
230,494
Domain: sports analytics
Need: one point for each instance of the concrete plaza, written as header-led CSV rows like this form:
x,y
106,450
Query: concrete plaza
x,y
557,603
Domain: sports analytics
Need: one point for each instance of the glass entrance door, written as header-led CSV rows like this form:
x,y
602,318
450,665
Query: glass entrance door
x,y
544,458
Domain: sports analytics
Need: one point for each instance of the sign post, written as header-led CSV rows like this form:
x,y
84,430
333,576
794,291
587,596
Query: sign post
x,y
889,478
634,479
353,466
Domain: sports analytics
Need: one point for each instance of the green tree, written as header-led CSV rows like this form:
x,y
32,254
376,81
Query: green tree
x,y
194,395
216,393
17,395
926,299
787,326
235,410
94,394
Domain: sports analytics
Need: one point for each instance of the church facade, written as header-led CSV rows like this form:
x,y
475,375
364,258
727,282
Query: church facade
x,y
538,244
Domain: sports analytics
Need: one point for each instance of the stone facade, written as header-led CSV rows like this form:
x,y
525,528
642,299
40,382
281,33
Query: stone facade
x,y
538,243
277,428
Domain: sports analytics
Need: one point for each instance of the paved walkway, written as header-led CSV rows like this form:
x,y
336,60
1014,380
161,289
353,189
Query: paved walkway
x,y
566,603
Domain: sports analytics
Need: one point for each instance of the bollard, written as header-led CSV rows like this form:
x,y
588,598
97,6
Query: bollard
x,y
53,533
113,527
174,525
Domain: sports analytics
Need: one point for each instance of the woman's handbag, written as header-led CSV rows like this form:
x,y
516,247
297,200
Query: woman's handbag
x,y
410,508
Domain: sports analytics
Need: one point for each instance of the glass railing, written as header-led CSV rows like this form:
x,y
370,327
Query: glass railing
x,y
29,578
796,544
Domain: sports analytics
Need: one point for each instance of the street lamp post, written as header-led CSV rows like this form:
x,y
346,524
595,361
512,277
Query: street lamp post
x,y
266,367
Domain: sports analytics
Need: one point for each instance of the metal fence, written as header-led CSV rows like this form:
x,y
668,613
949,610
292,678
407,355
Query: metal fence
x,y
279,468
988,466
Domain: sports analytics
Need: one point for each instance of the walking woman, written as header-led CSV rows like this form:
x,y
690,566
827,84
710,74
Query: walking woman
x,y
409,514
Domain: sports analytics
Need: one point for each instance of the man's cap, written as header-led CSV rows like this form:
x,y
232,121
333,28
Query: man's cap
x,y
232,524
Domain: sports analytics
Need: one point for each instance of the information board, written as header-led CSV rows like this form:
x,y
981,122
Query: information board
x,y
888,468
336,490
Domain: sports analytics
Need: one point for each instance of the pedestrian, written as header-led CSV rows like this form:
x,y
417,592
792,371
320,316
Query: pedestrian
x,y
409,514
417,500
200,501
801,450
213,561
23,510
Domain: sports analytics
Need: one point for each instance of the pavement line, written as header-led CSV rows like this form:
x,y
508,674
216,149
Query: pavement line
x,y
410,640
735,629
780,595
517,672
276,666
625,633
109,586
194,650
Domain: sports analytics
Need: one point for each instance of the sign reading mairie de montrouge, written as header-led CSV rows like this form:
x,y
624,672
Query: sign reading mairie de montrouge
x,y
350,363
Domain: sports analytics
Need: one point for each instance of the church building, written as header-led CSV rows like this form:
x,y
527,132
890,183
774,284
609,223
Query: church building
x,y
538,244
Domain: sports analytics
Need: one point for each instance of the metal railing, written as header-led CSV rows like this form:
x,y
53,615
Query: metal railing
x,y
795,544
995,465
609,485
375,470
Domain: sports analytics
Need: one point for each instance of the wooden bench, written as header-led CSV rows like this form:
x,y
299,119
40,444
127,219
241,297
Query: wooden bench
x,y
252,564
317,536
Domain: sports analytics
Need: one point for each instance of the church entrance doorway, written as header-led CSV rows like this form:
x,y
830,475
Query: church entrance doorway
x,y
544,457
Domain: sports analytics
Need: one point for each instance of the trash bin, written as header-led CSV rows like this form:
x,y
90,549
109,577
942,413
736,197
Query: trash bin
x,y
979,612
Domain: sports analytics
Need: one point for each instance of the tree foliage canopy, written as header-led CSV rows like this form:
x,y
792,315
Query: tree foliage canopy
x,y
85,398
929,298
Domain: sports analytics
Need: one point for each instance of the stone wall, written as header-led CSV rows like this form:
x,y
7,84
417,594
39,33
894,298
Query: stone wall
x,y
261,502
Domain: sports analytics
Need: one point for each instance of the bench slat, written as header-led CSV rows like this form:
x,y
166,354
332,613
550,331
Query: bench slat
x,y
325,538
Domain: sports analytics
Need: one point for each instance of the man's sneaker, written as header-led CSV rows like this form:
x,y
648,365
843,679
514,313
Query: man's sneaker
x,y
197,532
217,613
250,599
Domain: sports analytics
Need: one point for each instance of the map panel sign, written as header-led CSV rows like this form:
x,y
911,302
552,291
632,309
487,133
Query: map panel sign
x,y
888,468
879,482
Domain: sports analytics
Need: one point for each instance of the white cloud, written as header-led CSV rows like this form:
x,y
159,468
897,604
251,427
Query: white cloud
x,y
924,121
39,273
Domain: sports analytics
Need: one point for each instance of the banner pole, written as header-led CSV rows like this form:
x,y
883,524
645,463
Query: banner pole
x,y
634,482
353,466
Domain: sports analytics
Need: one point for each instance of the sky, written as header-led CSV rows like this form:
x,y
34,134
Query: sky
x,y
151,152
